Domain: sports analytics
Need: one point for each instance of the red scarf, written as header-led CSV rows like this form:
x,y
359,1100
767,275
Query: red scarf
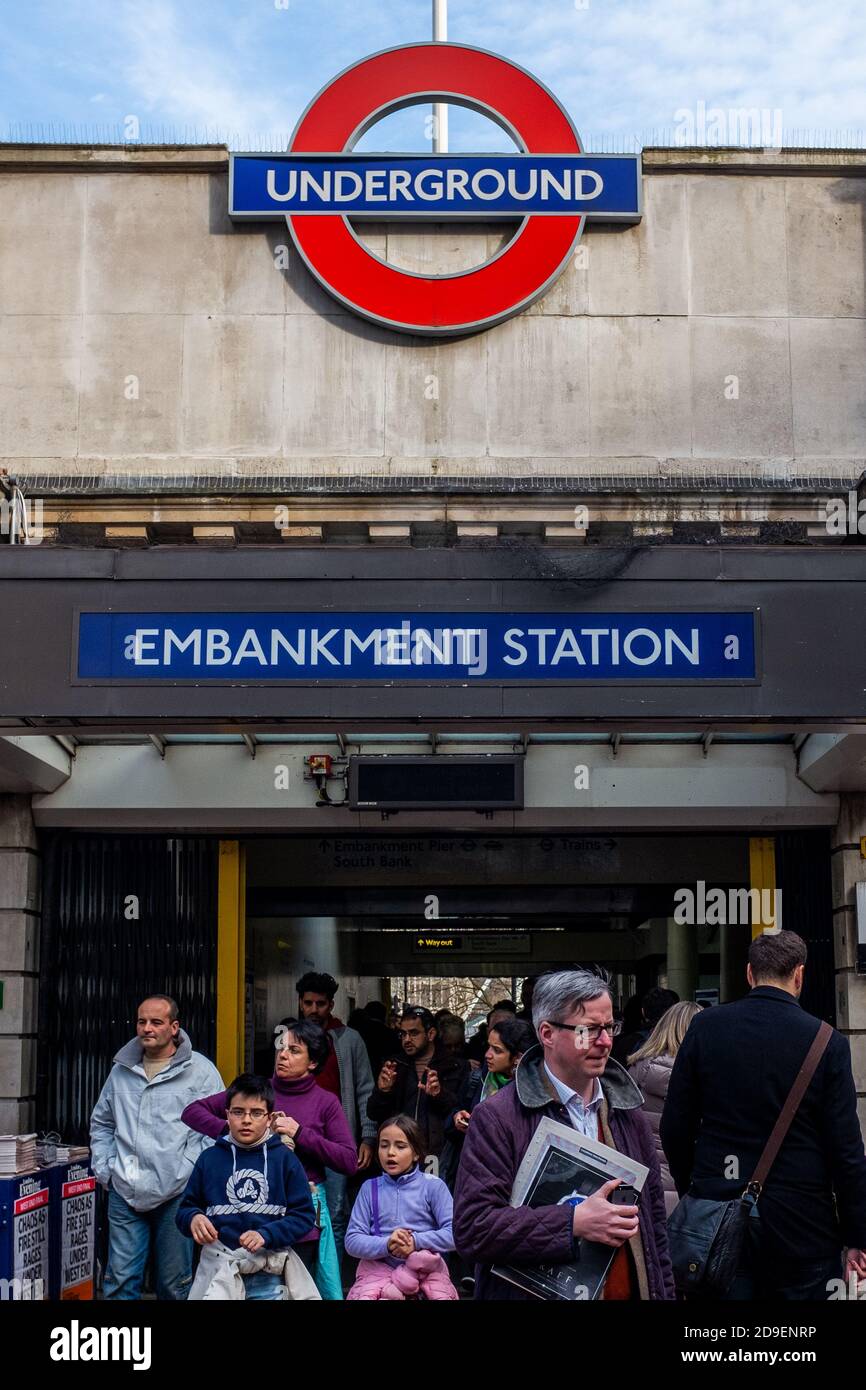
x,y
329,1077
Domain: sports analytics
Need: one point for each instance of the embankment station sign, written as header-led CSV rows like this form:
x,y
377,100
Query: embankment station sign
x,y
550,186
255,647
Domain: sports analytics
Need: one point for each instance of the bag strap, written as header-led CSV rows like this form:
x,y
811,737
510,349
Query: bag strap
x,y
790,1108
374,1201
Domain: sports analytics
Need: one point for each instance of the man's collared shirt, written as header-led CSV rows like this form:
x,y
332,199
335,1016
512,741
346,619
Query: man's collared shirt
x,y
583,1117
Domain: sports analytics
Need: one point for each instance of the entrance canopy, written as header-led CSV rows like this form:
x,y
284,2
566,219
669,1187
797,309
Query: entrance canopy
x,y
233,783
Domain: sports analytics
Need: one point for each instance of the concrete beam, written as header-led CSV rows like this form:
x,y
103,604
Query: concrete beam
x,y
37,764
834,762
646,787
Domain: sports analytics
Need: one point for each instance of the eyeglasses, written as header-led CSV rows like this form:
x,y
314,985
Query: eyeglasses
x,y
587,1034
237,1114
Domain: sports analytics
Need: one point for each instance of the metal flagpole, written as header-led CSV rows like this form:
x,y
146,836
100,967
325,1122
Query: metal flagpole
x,y
440,110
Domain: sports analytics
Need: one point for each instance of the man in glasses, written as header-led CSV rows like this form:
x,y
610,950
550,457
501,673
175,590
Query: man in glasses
x,y
424,1083
143,1153
568,1077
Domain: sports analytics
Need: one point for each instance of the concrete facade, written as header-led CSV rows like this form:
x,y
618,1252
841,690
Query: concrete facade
x,y
144,333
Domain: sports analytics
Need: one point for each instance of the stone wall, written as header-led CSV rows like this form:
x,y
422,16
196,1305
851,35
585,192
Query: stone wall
x,y
143,332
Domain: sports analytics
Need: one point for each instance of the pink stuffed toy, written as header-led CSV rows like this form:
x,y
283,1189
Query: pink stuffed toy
x,y
413,1276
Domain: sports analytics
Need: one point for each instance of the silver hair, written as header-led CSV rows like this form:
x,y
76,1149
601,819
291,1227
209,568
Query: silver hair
x,y
558,993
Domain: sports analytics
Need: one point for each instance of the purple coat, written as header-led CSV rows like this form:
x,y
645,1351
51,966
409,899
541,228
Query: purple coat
x,y
487,1230
324,1139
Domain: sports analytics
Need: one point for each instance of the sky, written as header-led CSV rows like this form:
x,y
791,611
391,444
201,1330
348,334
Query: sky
x,y
630,72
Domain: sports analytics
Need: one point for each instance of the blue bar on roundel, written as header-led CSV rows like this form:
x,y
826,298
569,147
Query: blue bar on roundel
x,y
442,186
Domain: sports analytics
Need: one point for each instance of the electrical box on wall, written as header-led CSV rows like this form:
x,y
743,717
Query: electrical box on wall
x,y
483,782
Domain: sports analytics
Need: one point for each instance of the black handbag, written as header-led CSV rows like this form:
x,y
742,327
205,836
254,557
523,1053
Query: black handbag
x,y
707,1236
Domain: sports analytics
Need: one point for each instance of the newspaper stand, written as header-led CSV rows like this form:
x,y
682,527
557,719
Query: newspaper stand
x,y
25,1203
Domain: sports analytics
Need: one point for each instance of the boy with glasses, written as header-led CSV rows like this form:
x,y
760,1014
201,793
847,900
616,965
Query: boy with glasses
x,y
247,1201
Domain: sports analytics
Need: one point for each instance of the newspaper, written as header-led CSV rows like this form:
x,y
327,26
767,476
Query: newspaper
x,y
562,1166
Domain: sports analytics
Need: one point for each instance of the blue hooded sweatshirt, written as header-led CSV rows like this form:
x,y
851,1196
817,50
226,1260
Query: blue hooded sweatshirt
x,y
260,1189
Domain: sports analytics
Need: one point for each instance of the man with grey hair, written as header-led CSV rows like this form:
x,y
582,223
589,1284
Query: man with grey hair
x,y
570,1078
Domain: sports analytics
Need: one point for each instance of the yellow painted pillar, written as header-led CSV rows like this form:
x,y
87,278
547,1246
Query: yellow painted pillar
x,y
762,875
231,959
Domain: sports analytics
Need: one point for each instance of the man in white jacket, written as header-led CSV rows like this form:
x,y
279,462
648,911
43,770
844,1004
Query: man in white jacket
x,y
143,1153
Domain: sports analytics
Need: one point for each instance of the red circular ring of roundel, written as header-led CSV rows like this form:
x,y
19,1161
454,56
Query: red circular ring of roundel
x,y
450,304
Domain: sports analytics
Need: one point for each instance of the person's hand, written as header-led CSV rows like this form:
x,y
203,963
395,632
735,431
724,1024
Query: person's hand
x,y
365,1154
284,1124
598,1219
461,1121
387,1076
473,1065
432,1086
252,1240
401,1243
203,1231
855,1263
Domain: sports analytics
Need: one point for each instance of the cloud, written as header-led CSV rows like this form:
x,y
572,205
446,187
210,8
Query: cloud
x,y
622,67
178,77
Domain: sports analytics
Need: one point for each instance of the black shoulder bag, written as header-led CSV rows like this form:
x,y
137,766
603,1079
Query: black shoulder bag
x,y
707,1236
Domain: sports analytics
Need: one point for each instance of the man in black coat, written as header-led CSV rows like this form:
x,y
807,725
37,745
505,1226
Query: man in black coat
x,y
425,1082
730,1080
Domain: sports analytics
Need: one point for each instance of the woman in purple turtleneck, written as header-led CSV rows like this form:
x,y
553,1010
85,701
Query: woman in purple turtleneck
x,y
312,1122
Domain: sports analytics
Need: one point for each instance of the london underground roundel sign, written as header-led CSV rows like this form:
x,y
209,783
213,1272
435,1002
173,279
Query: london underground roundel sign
x,y
549,186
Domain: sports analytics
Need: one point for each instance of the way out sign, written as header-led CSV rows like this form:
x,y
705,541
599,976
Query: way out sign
x,y
548,187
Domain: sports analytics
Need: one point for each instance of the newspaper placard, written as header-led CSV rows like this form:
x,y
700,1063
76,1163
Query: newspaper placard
x,y
563,1167
77,1226
30,1239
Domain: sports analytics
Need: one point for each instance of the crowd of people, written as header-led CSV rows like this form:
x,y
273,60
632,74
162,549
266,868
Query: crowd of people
x,y
379,1163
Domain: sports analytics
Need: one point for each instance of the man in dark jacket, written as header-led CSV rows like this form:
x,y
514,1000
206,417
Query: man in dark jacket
x,y
729,1083
570,1079
425,1083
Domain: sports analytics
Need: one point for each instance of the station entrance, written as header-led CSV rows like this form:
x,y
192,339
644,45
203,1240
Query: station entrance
x,y
388,914
228,927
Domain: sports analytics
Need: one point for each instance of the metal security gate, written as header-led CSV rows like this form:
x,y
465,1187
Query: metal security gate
x,y
122,916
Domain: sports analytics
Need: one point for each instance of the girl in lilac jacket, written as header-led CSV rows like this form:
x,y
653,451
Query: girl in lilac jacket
x,y
401,1223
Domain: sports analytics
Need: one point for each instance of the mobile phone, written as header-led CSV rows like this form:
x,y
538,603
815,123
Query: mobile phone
x,y
424,1076
625,1196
